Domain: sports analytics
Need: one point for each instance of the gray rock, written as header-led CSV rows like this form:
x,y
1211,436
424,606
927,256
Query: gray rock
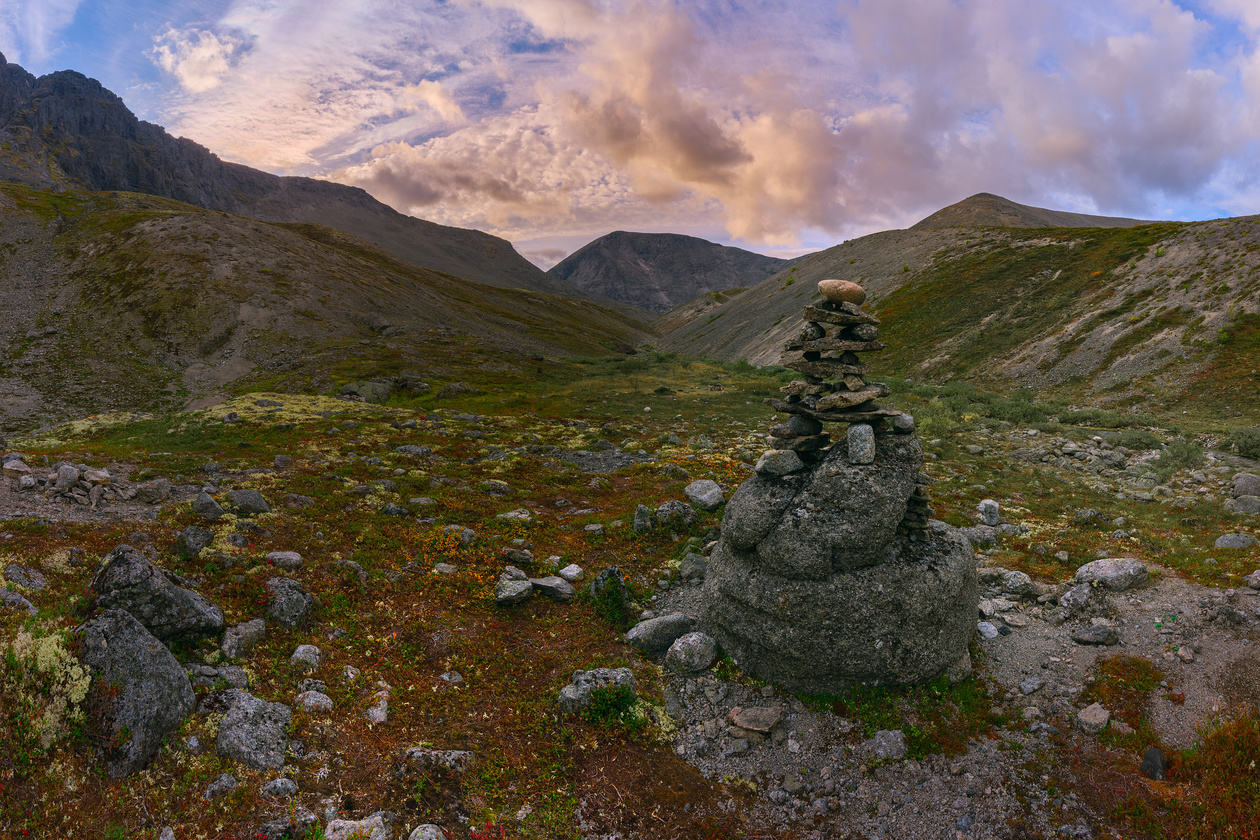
x,y
1245,484
1235,541
289,604
67,479
981,536
1030,686
861,444
609,588
987,629
374,827
903,424
306,658
221,786
1153,766
391,509
705,494
287,560
127,580
836,518
314,701
887,745
192,540
576,696
1020,585
300,824
675,513
989,514
554,587
1093,719
509,591
239,640
25,577
812,587
1253,580
643,519
1097,634
421,758
572,573
693,566
655,635
369,391
1076,598
254,732
690,654
428,831
1114,573
14,602
417,451
154,492
776,462
248,503
153,697
205,505
1244,505
278,788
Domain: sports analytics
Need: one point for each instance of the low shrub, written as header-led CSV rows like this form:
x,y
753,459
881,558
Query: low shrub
x,y
1247,442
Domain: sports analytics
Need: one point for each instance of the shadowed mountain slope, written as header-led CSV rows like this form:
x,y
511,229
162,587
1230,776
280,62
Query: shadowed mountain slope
x,y
126,301
65,130
658,271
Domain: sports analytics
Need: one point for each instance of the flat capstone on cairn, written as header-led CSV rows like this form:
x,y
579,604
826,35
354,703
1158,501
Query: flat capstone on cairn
x,y
830,572
835,390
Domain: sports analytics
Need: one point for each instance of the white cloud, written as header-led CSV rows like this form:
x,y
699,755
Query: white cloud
x,y
30,29
199,59
435,96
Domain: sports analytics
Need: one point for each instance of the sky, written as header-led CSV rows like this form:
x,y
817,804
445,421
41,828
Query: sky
x,y
781,126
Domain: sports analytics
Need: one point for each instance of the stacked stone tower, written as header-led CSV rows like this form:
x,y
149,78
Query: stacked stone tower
x,y
835,390
829,571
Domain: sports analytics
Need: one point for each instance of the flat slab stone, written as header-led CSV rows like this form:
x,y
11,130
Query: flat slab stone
x,y
755,718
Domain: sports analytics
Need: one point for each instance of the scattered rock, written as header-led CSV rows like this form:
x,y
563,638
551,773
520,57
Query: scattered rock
x,y
221,786
290,604
306,658
279,788
192,540
1096,635
1235,541
705,494
248,503
778,462
287,560
887,745
1153,766
127,580
1114,573
374,827
1093,719
576,696
655,635
254,731
691,653
153,698
239,641
205,505
989,514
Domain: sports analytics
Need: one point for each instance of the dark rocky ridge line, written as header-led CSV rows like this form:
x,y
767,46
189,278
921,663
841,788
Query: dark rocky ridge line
x,y
65,130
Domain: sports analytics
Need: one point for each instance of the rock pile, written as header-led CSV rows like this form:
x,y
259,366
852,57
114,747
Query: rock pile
x,y
829,571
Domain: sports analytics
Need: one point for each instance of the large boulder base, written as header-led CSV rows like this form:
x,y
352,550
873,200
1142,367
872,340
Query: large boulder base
x,y
901,622
150,693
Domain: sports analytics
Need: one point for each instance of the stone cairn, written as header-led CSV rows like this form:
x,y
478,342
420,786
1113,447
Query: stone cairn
x,y
828,572
835,390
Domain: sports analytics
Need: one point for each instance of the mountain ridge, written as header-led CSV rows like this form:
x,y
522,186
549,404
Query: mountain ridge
x,y
989,210
67,130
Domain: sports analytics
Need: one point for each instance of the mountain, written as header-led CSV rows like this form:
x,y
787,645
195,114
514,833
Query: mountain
x,y
116,300
65,130
1127,316
658,271
987,210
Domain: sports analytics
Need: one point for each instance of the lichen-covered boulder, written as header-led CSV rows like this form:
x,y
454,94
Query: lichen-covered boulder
x,y
127,580
149,695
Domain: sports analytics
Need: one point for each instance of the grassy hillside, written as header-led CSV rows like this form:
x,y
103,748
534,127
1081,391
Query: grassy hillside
x,y
1149,317
119,300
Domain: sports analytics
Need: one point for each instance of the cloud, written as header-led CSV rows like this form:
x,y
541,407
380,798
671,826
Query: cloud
x,y
30,29
435,96
199,59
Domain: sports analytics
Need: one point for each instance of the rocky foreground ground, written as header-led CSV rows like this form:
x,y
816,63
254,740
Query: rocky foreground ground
x,y
1041,748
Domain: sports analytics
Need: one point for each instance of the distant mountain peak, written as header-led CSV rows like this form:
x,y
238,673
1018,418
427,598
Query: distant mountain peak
x,y
659,271
989,210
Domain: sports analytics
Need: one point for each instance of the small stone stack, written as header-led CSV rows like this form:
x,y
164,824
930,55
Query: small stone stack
x,y
835,390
